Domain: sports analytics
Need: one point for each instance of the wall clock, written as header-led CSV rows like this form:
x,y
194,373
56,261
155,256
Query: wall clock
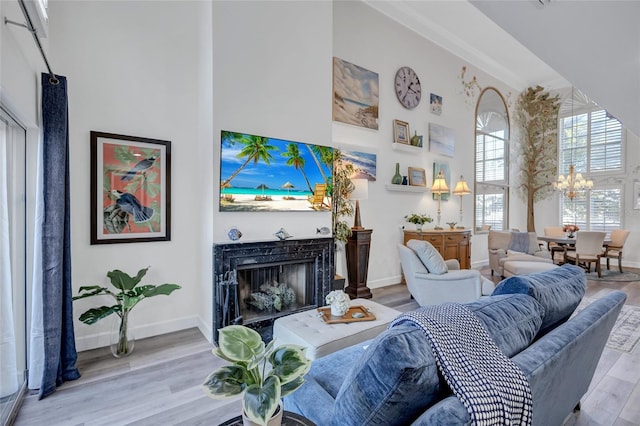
x,y
408,89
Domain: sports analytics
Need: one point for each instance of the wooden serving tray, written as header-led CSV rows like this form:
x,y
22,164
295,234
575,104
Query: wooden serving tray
x,y
330,319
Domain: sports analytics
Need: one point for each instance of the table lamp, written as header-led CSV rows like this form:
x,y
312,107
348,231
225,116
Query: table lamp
x,y
360,192
439,187
461,189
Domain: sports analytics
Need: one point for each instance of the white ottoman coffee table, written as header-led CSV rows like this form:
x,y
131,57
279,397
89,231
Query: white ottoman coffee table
x,y
308,329
522,267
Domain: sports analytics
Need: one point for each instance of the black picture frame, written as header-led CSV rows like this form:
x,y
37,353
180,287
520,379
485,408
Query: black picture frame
x,y
130,189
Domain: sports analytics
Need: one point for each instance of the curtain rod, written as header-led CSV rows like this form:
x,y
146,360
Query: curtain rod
x,y
29,26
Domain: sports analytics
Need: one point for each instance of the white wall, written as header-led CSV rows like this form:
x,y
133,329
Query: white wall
x,y
138,68
368,39
272,77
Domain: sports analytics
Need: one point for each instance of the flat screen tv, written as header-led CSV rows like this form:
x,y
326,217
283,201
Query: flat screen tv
x,y
259,173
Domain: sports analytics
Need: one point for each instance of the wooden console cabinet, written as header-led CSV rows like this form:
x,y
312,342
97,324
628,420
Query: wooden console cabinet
x,y
452,244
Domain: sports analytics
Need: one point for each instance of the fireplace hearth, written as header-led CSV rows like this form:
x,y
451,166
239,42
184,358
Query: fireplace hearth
x,y
257,282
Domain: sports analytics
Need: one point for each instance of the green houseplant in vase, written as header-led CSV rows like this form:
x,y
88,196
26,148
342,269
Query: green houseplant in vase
x,y
127,297
419,220
262,386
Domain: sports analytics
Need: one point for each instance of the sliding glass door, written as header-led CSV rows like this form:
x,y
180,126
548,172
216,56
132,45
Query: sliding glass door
x,y
13,294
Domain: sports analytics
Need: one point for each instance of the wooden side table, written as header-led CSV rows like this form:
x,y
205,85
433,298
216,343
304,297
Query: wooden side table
x,y
358,247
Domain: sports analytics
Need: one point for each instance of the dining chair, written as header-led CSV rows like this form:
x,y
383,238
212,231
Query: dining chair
x,y
588,249
554,231
614,249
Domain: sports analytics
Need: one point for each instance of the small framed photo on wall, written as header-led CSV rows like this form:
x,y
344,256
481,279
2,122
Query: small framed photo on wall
x,y
435,103
417,177
401,132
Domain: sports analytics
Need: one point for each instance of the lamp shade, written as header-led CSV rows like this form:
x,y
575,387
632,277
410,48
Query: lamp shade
x,y
360,190
439,184
461,187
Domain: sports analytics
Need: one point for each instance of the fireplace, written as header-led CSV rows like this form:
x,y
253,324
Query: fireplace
x,y
255,283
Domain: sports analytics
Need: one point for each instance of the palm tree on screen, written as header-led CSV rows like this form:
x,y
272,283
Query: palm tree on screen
x,y
255,148
292,154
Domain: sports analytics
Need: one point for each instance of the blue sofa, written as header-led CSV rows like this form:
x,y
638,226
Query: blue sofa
x,y
394,379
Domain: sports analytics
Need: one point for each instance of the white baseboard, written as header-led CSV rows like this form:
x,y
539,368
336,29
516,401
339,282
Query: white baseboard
x,y
206,330
100,340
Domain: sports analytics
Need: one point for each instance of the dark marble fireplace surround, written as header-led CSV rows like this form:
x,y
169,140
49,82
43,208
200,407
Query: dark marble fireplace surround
x,y
311,261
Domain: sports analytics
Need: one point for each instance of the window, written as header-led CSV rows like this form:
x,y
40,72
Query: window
x,y
592,140
492,159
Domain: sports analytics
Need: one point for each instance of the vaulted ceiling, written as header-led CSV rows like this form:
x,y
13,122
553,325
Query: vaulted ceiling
x,y
592,45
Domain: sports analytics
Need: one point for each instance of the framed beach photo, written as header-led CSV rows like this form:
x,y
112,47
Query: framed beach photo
x,y
441,140
417,176
355,94
401,132
435,104
363,163
446,171
130,189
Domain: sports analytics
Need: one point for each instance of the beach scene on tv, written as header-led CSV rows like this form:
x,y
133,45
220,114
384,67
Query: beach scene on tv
x,y
259,173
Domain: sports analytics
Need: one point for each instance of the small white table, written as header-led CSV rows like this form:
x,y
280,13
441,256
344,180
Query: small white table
x,y
308,329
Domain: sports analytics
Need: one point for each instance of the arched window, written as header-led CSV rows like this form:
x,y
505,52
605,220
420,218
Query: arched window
x,y
492,162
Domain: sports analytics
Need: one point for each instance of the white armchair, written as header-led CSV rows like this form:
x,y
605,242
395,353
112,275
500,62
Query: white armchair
x,y
456,285
502,248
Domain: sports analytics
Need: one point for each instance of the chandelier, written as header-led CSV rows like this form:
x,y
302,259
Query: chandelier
x,y
574,182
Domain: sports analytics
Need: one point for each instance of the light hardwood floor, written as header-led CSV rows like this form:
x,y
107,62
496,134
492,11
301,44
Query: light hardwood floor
x,y
160,383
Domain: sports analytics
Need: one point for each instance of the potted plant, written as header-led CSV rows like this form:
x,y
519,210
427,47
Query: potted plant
x,y
418,220
570,230
128,296
341,189
248,373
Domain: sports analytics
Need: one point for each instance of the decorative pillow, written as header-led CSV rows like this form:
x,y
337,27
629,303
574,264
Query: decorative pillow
x,y
429,256
559,291
519,242
513,320
392,383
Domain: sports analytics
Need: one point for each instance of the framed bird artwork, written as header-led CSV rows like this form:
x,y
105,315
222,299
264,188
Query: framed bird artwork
x,y
130,189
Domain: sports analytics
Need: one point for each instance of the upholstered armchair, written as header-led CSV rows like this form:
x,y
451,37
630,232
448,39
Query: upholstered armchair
x,y
614,249
444,281
520,246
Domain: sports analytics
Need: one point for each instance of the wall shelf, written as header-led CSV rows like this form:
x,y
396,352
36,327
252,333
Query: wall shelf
x,y
406,188
404,147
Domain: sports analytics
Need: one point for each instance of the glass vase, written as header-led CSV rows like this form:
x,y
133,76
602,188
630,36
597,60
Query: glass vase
x,y
397,178
122,340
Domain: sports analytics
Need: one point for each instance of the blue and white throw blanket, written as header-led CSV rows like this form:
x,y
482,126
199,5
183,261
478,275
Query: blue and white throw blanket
x,y
493,388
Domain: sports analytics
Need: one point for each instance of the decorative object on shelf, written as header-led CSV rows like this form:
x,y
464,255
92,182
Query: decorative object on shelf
x,y
323,231
263,387
435,103
418,219
441,140
361,109
126,299
401,132
439,187
397,177
461,189
130,189
570,230
417,176
416,140
452,225
282,234
339,301
404,180
360,192
234,234
408,88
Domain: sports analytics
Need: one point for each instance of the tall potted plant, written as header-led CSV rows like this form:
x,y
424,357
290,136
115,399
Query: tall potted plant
x,y
263,387
127,297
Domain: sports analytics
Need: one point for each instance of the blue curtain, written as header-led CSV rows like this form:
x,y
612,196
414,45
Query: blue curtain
x,y
59,339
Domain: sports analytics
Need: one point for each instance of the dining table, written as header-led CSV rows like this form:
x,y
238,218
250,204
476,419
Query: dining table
x,y
566,240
